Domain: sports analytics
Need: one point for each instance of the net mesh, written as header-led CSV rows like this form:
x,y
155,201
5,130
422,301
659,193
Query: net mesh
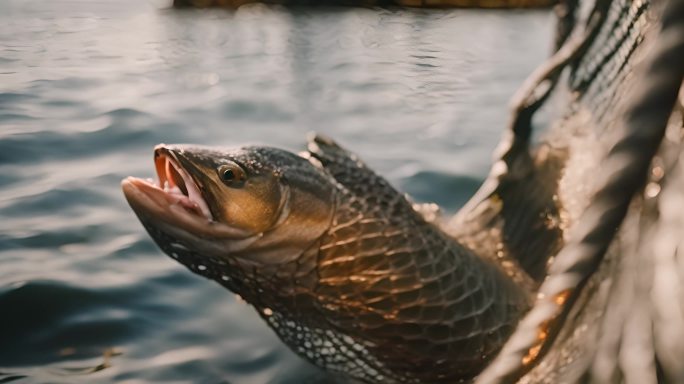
x,y
612,306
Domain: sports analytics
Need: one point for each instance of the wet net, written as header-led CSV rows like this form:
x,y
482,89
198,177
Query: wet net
x,y
611,308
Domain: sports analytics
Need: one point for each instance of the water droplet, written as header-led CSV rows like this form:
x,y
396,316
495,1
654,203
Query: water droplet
x,y
658,172
267,312
202,267
652,190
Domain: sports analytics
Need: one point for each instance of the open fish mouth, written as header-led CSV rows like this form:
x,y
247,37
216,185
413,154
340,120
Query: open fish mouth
x,y
173,191
178,184
182,198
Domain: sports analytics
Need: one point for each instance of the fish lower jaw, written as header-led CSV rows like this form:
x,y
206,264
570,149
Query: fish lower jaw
x,y
174,193
176,209
167,196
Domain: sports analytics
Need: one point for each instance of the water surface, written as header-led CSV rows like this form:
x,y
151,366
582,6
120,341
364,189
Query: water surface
x,y
87,88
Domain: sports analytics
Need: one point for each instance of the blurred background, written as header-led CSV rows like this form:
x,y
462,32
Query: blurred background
x,y
87,88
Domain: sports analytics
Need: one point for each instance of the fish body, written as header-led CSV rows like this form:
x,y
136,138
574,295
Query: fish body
x,y
338,262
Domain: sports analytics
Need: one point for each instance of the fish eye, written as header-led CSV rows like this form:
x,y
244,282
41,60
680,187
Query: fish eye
x,y
232,174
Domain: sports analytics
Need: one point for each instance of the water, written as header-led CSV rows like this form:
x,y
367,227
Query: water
x,y
87,88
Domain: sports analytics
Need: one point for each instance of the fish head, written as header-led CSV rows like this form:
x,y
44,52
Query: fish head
x,y
224,212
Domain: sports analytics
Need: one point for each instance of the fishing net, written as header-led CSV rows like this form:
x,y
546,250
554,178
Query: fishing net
x,y
611,308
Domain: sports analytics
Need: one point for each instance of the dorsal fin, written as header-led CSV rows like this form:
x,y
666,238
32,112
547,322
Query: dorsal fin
x,y
352,173
346,167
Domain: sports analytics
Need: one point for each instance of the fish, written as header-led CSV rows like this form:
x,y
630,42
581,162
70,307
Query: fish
x,y
347,270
